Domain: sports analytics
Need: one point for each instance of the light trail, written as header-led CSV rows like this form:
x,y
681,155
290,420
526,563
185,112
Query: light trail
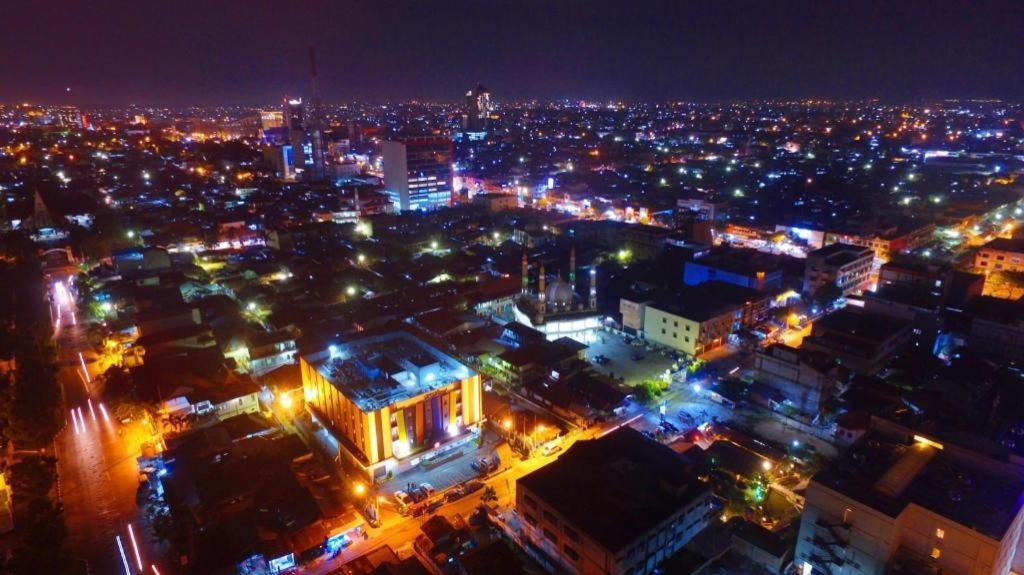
x,y
85,384
155,570
103,412
81,418
92,411
74,419
124,558
84,369
135,548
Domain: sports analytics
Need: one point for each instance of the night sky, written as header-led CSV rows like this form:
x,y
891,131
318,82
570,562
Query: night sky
x,y
252,52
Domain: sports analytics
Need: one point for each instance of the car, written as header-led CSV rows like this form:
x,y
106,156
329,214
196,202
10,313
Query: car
x,y
435,505
637,356
455,493
481,465
403,498
637,343
473,486
428,488
551,449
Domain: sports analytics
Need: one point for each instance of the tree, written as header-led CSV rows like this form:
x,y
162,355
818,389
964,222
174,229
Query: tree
x,y
489,494
826,294
649,390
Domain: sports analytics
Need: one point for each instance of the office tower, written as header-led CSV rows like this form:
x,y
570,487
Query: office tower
x,y
314,123
418,172
295,122
477,109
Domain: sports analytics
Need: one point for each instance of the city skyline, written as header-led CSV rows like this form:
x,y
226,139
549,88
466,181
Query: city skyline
x,y
183,54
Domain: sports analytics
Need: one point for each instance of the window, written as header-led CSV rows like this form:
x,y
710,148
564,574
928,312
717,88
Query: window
x,y
570,533
571,553
936,552
550,535
530,519
940,533
530,501
662,332
550,517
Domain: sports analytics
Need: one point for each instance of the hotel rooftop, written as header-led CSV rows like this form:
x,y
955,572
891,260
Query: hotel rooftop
x,y
382,370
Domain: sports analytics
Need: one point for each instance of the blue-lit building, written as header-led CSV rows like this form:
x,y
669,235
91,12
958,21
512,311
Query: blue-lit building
x,y
746,268
418,172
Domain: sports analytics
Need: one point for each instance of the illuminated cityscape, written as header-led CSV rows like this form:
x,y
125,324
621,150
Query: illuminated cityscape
x,y
513,287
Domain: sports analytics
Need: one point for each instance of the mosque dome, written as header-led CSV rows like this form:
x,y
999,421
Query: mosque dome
x,y
559,293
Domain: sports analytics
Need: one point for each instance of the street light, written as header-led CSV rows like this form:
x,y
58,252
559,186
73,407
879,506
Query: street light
x,y
285,400
359,489
507,424
351,290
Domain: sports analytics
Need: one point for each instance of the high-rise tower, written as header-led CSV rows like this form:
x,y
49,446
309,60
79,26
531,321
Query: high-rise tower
x,y
314,125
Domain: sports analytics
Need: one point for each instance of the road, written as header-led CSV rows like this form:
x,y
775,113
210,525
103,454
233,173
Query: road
x,y
399,532
98,478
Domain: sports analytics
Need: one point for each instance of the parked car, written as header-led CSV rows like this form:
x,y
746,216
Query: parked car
x,y
551,449
473,486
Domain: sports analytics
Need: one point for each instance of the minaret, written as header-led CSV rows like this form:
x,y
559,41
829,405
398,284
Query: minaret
x,y
526,276
572,269
593,288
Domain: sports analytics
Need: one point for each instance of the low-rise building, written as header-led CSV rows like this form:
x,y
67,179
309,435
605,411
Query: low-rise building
x,y
1002,255
859,341
701,318
746,268
997,328
615,505
804,378
905,503
845,266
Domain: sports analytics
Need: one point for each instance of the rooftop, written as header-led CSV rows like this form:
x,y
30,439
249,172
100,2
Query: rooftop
x,y
888,474
841,254
618,487
382,370
1006,245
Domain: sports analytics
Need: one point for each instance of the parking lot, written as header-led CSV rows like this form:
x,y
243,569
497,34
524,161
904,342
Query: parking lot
x,y
620,359
455,471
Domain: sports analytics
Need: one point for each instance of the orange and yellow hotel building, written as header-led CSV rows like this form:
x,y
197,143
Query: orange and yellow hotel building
x,y
390,400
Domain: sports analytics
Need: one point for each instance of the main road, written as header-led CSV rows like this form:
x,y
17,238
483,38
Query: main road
x,y
98,477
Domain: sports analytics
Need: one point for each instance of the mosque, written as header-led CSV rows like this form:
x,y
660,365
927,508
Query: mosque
x,y
557,308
